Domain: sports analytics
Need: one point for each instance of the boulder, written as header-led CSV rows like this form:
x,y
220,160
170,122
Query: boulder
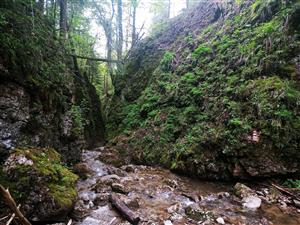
x,y
241,190
82,170
45,188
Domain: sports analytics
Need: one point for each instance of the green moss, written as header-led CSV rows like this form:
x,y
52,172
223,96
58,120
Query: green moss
x,y
166,61
238,80
47,169
202,49
64,195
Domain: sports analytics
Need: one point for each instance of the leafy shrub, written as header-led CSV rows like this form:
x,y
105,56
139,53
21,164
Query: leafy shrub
x,y
202,49
166,62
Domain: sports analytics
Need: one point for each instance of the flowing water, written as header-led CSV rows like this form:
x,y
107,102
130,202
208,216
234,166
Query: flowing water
x,y
159,196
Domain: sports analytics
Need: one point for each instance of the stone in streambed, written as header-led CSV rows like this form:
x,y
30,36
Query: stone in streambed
x,y
241,190
119,188
220,220
251,202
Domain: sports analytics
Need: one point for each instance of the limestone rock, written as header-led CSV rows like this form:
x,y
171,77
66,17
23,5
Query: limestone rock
x,y
119,188
220,220
251,202
47,187
241,190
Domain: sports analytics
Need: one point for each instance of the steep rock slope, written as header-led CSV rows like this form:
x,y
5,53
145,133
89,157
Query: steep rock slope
x,y
43,101
216,93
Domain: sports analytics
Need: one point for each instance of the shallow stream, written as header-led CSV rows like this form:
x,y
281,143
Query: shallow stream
x,y
159,196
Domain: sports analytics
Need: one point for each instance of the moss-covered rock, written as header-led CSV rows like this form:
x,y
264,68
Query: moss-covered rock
x,y
39,181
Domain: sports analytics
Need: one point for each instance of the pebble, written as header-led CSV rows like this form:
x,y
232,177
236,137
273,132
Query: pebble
x,y
168,222
251,202
220,220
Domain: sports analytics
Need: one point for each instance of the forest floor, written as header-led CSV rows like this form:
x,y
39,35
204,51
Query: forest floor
x,y
157,196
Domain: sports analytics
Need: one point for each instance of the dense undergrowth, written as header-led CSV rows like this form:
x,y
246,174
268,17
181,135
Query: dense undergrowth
x,y
64,105
222,101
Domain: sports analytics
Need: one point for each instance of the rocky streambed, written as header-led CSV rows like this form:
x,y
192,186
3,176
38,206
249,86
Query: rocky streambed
x,y
158,196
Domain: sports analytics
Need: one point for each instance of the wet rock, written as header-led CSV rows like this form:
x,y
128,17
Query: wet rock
x,y
196,213
168,222
128,168
117,171
220,220
80,211
251,202
297,203
223,195
241,190
191,196
82,170
174,208
101,187
172,183
133,203
176,217
119,188
109,179
101,199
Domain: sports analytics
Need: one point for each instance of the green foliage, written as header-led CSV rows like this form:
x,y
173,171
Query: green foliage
x,y
78,120
202,49
235,83
292,183
166,62
46,170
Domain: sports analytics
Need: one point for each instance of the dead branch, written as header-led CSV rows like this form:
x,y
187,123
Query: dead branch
x,y
95,59
124,210
12,217
3,218
70,222
284,190
8,199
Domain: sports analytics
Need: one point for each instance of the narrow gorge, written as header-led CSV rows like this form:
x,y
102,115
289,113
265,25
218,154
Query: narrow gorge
x,y
186,118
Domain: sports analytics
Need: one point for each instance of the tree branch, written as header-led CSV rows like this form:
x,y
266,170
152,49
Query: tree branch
x,y
96,59
8,199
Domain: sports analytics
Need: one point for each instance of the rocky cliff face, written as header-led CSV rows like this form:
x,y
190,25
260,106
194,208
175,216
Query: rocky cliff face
x,y
44,102
216,93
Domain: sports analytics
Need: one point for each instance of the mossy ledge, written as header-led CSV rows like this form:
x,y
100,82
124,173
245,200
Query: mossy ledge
x,y
40,182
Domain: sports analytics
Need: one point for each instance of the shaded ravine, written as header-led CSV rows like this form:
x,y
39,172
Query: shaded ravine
x,y
159,196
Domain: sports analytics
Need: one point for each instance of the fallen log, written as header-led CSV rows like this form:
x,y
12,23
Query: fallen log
x,y
284,190
127,213
8,199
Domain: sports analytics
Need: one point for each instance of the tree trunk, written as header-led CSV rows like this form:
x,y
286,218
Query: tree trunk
x,y
41,6
187,4
120,33
108,34
169,9
133,39
63,19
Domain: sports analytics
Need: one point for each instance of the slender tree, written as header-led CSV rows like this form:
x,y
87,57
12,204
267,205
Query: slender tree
x,y
134,6
106,23
41,6
120,31
187,4
63,19
169,9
